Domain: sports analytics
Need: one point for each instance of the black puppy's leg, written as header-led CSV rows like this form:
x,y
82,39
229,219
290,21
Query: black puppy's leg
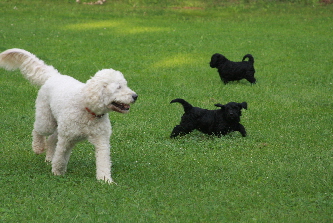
x,y
250,77
241,129
179,130
224,80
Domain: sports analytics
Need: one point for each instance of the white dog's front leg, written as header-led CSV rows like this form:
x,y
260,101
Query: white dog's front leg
x,y
103,159
103,164
61,156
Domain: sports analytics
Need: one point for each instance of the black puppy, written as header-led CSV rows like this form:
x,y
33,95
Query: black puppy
x,y
234,71
212,122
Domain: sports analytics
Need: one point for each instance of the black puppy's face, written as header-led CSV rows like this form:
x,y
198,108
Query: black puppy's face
x,y
216,60
233,110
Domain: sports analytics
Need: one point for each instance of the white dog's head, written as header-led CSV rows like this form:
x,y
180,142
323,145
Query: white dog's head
x,y
107,91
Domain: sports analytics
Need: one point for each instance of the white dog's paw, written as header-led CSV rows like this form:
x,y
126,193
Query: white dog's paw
x,y
48,159
107,180
57,172
58,169
110,182
38,149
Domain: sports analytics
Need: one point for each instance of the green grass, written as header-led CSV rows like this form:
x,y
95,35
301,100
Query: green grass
x,y
281,172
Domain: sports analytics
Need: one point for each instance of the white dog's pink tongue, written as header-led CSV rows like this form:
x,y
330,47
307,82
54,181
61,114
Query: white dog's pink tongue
x,y
125,106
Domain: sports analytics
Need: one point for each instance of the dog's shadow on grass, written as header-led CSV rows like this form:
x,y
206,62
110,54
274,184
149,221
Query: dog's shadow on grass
x,y
198,136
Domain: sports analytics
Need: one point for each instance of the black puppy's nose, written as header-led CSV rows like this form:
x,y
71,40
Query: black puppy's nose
x,y
135,96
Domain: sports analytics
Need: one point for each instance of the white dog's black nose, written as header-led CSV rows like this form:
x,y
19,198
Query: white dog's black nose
x,y
135,96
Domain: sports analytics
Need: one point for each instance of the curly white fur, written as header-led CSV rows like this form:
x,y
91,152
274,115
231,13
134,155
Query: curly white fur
x,y
68,111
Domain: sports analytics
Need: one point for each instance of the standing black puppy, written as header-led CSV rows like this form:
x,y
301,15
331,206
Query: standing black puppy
x,y
234,71
212,122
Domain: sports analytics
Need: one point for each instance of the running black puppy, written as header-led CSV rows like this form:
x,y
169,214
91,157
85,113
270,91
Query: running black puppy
x,y
212,122
234,71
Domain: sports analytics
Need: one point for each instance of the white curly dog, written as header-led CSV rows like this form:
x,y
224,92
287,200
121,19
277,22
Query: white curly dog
x,y
68,111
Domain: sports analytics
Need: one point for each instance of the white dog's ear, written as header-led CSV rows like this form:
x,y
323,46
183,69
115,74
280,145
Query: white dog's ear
x,y
94,95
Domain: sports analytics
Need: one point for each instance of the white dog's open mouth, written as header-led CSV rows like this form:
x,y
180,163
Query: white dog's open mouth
x,y
120,107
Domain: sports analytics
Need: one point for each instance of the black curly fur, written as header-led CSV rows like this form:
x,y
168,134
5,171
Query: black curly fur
x,y
212,122
234,71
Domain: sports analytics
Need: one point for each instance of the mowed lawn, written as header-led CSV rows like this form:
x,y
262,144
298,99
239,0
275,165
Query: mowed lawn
x,y
281,172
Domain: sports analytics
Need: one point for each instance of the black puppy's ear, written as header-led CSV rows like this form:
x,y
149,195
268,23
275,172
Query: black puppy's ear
x,y
219,105
244,105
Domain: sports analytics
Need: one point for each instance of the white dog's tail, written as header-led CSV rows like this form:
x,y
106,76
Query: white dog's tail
x,y
33,69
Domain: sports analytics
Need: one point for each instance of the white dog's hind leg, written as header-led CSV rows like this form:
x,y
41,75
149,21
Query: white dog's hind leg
x,y
103,160
61,155
51,143
44,125
38,142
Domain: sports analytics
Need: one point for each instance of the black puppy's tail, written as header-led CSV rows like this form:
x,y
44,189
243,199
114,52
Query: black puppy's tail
x,y
187,106
251,59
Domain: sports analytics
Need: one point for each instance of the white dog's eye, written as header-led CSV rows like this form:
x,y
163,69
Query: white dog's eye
x,y
119,87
